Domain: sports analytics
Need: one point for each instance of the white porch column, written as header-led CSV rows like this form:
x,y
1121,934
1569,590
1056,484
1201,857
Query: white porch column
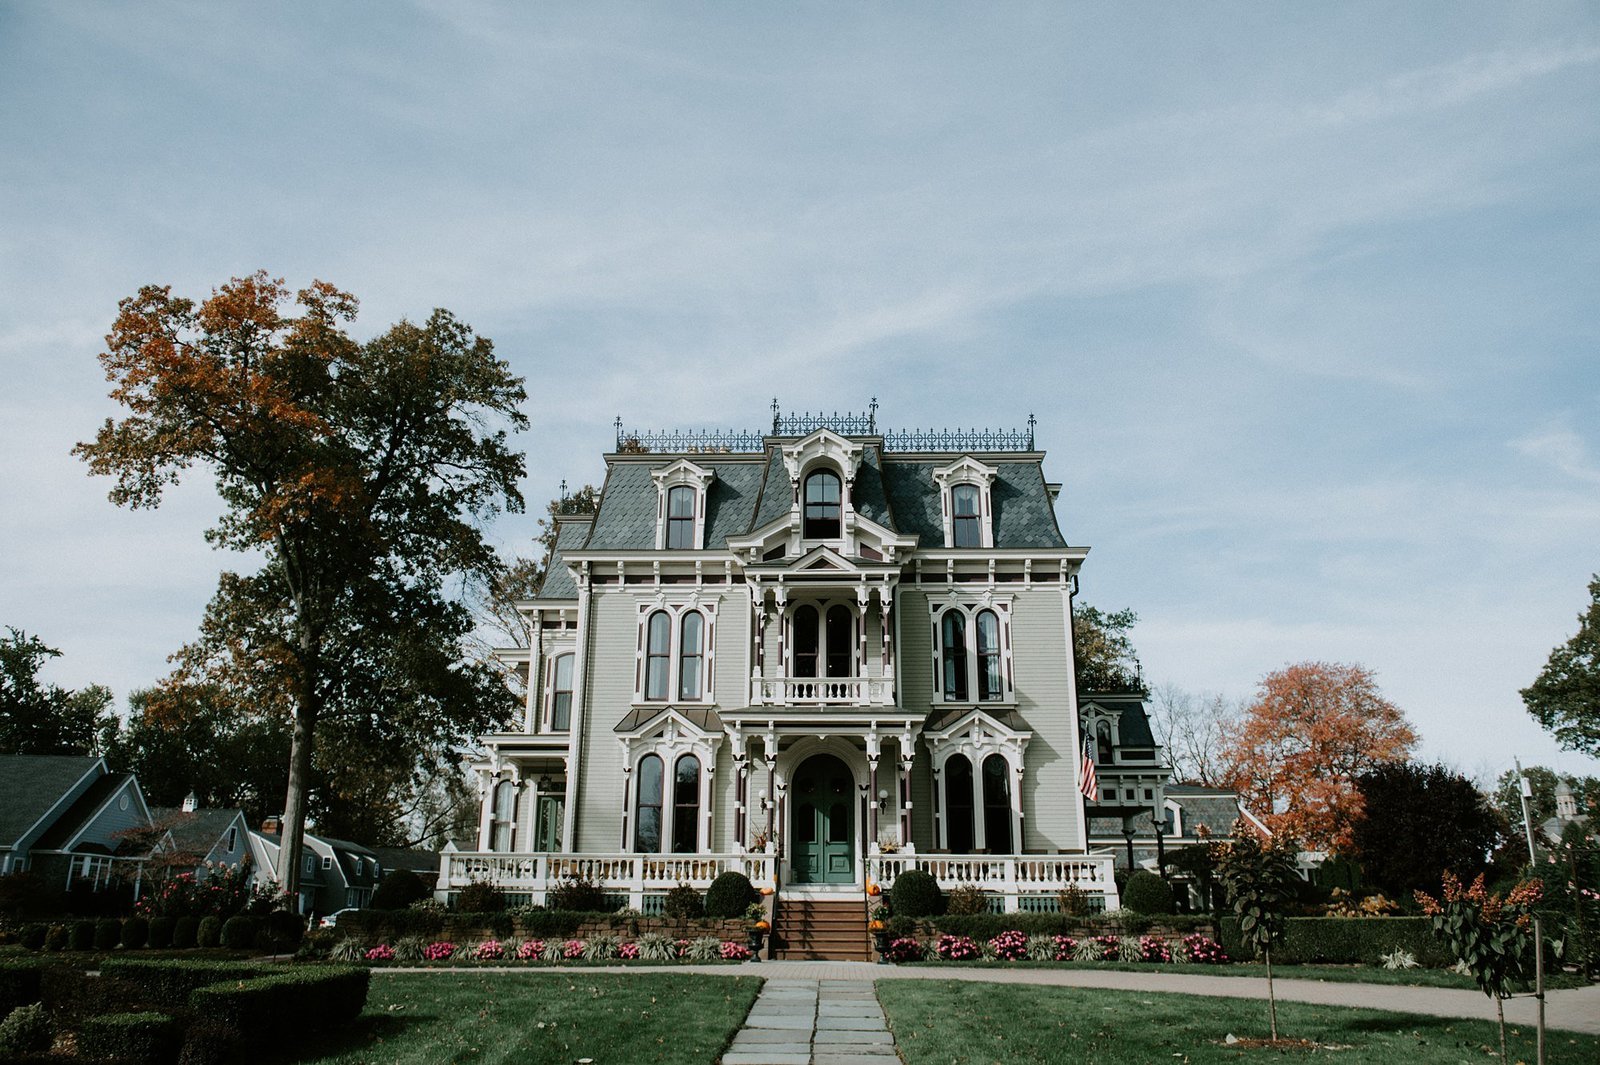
x,y
580,698
486,781
530,717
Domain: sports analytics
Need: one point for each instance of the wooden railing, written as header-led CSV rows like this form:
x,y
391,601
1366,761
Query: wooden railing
x,y
635,875
821,691
1012,877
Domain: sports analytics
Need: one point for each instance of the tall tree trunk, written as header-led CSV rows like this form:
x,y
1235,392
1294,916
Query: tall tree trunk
x,y
300,742
1500,1009
1272,1001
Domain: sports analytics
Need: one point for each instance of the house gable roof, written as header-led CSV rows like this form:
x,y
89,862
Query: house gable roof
x,y
198,831
34,785
64,833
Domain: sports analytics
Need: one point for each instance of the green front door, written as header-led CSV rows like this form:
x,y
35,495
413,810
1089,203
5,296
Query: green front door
x,y
547,827
822,796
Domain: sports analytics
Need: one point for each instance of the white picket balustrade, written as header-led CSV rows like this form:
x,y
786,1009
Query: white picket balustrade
x,y
633,874
1010,876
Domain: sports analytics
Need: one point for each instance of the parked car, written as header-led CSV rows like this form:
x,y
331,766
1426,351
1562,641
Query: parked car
x,y
332,919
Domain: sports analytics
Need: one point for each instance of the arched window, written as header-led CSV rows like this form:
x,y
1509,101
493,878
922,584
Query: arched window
x,y
807,637
691,653
954,631
996,804
561,695
990,683
958,804
680,517
647,823
822,496
686,805
1102,743
965,524
658,655
841,641
505,815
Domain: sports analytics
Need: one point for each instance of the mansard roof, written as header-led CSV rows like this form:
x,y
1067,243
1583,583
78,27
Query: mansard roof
x,y
558,583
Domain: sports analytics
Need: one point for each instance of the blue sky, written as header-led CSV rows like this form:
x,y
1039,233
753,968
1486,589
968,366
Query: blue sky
x,y
1303,296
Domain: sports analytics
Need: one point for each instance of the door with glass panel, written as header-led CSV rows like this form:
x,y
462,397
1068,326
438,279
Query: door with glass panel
x,y
822,797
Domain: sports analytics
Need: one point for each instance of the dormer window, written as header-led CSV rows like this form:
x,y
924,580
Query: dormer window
x,y
823,493
680,518
967,502
966,522
681,506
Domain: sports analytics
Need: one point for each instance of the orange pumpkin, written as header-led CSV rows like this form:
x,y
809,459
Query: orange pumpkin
x,y
874,926
766,891
763,925
873,889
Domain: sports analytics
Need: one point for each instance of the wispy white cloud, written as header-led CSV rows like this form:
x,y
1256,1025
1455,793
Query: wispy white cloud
x,y
1561,449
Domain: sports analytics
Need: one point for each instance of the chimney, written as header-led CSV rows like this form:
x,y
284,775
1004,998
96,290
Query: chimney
x,y
271,826
190,802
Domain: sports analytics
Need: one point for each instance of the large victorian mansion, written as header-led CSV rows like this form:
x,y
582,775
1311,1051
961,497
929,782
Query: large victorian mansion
x,y
818,656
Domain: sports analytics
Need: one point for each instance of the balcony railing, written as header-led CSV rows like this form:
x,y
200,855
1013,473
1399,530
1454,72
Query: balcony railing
x,y
635,875
821,691
1022,881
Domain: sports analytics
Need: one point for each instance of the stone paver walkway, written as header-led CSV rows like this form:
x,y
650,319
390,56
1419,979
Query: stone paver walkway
x,y
814,1022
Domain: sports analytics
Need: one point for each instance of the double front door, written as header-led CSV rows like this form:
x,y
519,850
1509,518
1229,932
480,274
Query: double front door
x,y
822,796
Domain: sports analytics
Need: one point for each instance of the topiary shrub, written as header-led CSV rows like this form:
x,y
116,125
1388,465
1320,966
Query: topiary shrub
x,y
730,895
25,1031
107,933
185,932
916,894
481,896
1147,893
32,935
161,929
239,933
578,896
209,933
136,1038
135,933
397,890
281,932
81,936
684,902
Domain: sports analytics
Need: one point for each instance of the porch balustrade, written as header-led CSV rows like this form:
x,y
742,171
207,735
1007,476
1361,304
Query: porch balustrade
x,y
635,875
1012,877
822,691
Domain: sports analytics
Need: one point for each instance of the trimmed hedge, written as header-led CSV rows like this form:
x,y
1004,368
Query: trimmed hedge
x,y
1147,893
985,926
135,932
239,933
1346,940
209,933
136,1038
32,935
397,924
311,998
81,936
107,933
730,895
25,1030
916,894
161,929
185,932
171,980
19,983
399,889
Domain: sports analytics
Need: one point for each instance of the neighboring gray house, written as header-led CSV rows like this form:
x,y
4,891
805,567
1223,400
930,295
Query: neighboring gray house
x,y
63,818
216,838
335,874
819,656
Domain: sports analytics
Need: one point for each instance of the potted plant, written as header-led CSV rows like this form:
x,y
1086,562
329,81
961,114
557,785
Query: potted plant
x,y
756,914
878,925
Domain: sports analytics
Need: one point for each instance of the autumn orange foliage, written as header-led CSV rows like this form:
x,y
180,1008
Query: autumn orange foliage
x,y
1312,729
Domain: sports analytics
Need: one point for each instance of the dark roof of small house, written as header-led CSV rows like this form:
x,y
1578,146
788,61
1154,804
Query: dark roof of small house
x,y
196,830
1215,808
418,861
82,811
1133,726
31,784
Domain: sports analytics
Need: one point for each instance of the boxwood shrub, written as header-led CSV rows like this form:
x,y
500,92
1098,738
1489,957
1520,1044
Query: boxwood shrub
x,y
281,932
32,935
399,889
170,980
24,1031
313,997
161,929
107,933
239,933
397,924
185,932
19,983
916,894
1147,893
730,895
985,926
81,936
136,1038
135,932
210,932
1345,940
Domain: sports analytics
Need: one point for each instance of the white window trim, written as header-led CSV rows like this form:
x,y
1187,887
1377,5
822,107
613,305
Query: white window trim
x,y
669,744
708,656
1002,608
857,665
967,470
682,473
547,704
977,741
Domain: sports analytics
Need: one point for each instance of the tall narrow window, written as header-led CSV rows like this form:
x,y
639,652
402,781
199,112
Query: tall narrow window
x,y
647,823
686,805
807,635
561,695
958,804
505,814
1102,743
658,655
822,496
691,653
841,637
954,632
990,683
680,517
966,527
996,805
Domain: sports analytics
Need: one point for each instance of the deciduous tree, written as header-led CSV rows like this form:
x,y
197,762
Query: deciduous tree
x,y
1542,805
38,718
1313,728
1565,698
1195,730
1416,822
1104,652
359,472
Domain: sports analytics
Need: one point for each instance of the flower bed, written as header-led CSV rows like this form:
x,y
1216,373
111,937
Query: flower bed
x,y
1015,945
600,949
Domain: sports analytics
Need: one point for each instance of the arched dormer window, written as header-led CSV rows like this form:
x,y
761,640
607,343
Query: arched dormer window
x,y
658,656
966,521
1102,743
680,518
691,655
967,502
822,498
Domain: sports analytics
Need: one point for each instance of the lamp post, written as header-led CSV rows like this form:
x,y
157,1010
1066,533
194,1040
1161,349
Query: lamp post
x,y
1127,834
1159,825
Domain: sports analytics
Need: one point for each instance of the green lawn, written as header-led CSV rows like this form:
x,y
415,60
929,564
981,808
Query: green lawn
x,y
960,1022
544,1017
1337,974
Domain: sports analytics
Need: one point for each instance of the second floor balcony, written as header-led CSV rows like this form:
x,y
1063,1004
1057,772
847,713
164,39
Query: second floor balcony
x,y
821,691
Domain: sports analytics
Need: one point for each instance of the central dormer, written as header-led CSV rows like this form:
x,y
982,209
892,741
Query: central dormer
x,y
822,473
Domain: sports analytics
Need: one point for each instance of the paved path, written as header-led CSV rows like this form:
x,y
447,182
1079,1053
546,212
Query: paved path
x,y
1576,1010
814,1022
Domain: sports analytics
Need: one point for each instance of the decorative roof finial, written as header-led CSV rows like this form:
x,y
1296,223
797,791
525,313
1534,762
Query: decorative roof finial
x,y
872,415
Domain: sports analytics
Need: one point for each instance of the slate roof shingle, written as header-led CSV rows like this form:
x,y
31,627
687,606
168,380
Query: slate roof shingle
x,y
31,784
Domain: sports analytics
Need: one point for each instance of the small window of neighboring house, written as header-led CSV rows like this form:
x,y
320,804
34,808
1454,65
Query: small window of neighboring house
x,y
680,518
311,862
327,861
233,838
966,522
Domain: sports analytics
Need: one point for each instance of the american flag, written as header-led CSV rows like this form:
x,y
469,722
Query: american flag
x,y
1086,778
